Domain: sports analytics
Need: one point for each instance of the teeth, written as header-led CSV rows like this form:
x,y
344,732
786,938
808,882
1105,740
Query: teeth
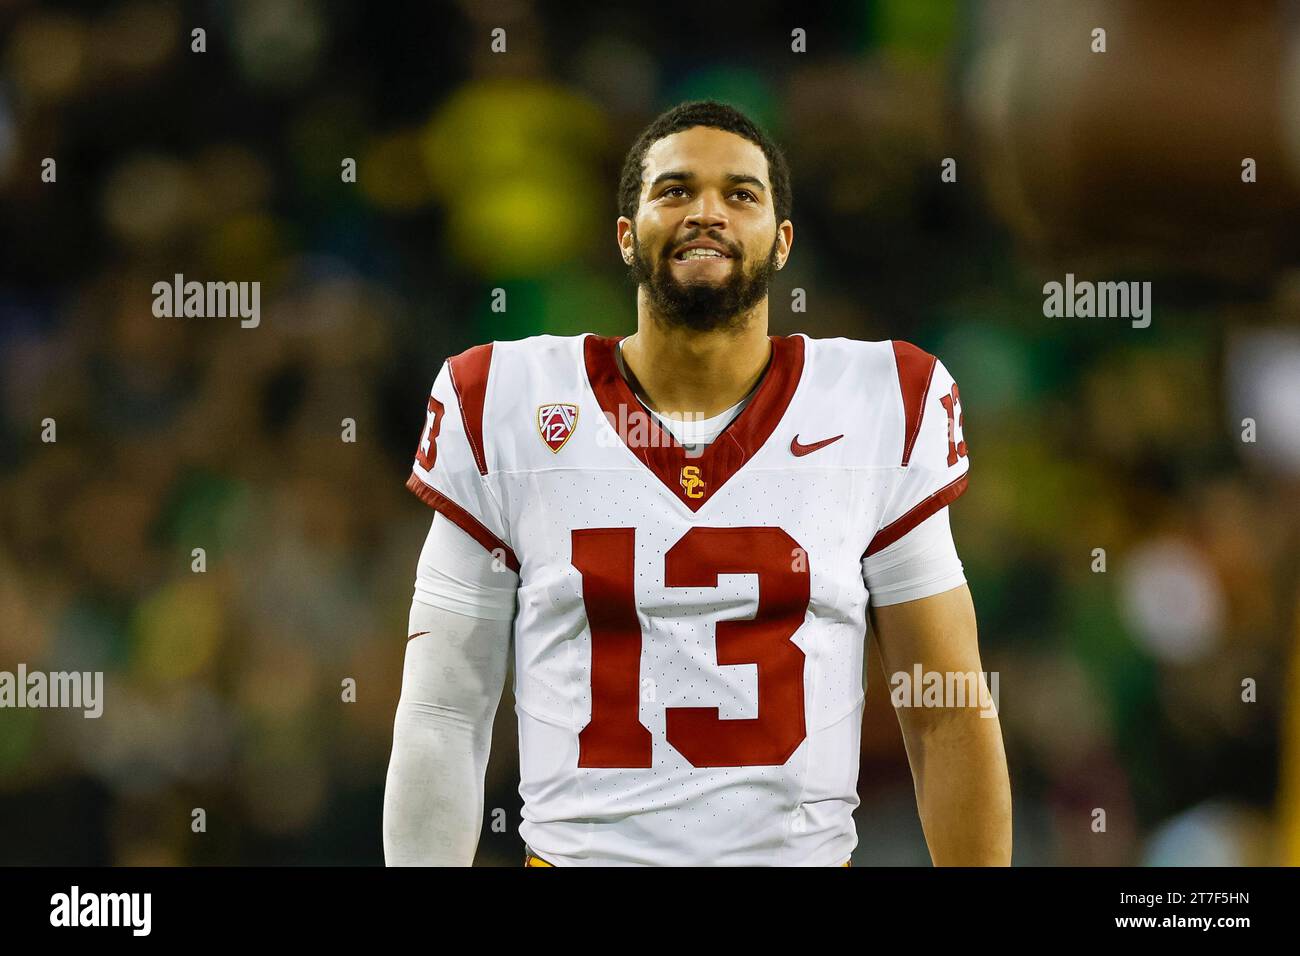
x,y
702,254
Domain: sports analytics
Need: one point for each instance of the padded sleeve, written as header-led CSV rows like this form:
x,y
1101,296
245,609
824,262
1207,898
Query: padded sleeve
x,y
922,563
456,574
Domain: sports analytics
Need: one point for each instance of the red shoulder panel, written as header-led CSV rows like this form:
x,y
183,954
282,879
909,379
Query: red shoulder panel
x,y
915,369
469,376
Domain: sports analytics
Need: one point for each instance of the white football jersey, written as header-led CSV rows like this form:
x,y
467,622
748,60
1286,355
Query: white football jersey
x,y
690,629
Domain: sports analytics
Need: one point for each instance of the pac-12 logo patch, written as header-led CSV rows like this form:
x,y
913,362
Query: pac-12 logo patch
x,y
555,423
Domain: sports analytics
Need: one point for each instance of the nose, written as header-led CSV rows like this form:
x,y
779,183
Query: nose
x,y
706,213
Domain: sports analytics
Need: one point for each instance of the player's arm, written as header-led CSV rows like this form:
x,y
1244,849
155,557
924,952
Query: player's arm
x,y
454,671
459,631
959,766
923,617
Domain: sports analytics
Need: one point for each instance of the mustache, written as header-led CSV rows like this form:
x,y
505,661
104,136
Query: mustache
x,y
732,249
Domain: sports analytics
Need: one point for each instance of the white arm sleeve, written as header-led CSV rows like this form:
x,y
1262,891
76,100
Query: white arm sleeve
x,y
451,685
457,574
921,563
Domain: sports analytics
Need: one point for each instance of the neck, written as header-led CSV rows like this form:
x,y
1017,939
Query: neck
x,y
681,371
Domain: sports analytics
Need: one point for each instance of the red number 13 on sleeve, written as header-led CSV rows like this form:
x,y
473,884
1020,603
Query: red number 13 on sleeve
x,y
615,736
432,422
956,439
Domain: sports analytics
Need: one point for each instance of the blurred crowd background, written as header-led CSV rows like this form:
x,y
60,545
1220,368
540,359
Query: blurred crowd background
x,y
479,170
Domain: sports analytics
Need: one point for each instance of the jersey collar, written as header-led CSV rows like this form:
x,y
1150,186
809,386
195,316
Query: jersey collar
x,y
694,478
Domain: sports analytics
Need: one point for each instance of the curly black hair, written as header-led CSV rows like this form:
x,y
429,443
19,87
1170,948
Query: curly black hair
x,y
715,115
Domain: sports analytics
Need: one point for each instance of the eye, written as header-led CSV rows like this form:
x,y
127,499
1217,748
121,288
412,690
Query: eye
x,y
670,189
745,192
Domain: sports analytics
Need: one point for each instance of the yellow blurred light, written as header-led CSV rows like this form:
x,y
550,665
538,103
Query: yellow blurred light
x,y
176,630
515,162
522,227
47,55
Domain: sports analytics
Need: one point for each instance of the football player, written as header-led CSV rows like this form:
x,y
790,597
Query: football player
x,y
680,535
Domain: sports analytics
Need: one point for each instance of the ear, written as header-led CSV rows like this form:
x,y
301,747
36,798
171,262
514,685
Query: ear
x,y
626,239
784,242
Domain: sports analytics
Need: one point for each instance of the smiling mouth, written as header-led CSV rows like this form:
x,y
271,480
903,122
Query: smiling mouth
x,y
691,255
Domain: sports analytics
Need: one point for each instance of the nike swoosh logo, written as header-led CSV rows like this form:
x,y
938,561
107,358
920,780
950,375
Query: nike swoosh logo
x,y
417,634
799,450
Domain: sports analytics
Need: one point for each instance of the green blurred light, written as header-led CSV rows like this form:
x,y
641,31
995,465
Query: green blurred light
x,y
744,89
17,739
577,302
206,507
567,302
921,31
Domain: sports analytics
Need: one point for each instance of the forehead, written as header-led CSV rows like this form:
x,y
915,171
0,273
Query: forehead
x,y
704,151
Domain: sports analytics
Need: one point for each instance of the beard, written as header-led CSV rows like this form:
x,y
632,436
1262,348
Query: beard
x,y
702,306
